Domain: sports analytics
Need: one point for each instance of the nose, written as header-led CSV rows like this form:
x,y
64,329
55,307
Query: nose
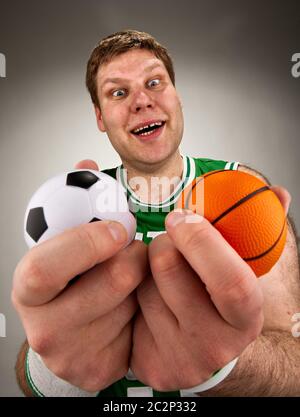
x,y
141,100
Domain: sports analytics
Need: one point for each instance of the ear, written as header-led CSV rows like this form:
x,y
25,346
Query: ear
x,y
99,119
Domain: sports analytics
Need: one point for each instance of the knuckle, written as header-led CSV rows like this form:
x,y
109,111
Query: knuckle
x,y
65,367
155,378
190,375
61,370
120,277
238,293
219,360
28,273
85,375
240,289
165,261
91,385
40,342
30,277
98,376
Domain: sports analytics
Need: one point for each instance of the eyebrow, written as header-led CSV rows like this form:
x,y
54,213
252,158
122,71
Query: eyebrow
x,y
117,80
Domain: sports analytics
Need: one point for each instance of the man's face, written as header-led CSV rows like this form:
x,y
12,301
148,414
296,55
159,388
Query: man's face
x,y
135,90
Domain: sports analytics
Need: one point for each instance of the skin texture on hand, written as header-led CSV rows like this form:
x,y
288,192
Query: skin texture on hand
x,y
186,327
87,318
201,307
200,310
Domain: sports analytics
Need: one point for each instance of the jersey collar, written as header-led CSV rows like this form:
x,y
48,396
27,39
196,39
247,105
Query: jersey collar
x,y
188,175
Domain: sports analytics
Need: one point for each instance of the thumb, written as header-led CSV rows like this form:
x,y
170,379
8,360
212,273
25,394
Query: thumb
x,y
87,164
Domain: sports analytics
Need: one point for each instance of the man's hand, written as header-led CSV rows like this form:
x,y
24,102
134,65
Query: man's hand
x,y
81,328
200,310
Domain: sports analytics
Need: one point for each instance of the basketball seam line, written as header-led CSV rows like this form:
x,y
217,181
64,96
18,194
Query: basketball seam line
x,y
262,189
241,201
268,250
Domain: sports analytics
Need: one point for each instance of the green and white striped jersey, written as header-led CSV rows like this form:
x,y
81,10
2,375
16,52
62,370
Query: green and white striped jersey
x,y
151,223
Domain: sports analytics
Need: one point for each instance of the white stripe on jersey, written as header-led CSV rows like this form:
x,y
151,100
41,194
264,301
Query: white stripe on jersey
x,y
139,236
154,234
231,165
139,392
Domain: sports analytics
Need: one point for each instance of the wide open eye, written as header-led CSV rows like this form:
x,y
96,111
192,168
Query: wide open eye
x,y
154,82
116,93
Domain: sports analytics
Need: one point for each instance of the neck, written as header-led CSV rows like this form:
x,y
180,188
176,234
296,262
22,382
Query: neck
x,y
155,183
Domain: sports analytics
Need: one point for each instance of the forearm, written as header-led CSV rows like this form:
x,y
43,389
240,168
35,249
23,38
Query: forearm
x,y
20,371
268,367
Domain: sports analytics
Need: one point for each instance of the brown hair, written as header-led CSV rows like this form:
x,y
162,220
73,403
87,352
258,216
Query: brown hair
x,y
118,43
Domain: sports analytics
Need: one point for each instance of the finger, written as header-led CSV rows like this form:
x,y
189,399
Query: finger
x,y
159,318
229,280
95,367
48,267
142,336
87,164
111,324
179,285
103,288
284,197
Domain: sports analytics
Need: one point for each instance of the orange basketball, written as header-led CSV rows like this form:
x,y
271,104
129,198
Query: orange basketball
x,y
245,211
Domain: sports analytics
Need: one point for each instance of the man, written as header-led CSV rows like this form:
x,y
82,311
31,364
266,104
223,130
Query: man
x,y
183,315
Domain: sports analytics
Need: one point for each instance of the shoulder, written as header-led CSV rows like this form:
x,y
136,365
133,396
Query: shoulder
x,y
254,172
204,165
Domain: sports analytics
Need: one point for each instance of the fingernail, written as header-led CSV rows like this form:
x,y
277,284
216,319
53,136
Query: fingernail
x,y
180,216
175,218
194,218
117,231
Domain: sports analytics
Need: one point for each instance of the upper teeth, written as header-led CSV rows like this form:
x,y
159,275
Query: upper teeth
x,y
145,127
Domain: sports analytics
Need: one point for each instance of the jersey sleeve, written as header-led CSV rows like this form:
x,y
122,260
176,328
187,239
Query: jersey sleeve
x,y
204,165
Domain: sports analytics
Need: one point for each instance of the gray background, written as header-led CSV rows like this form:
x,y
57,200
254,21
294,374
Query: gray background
x,y
233,72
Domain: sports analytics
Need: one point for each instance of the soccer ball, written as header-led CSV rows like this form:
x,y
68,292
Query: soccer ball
x,y
74,198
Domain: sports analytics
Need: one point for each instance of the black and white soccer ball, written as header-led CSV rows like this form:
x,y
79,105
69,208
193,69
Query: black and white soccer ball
x,y
74,198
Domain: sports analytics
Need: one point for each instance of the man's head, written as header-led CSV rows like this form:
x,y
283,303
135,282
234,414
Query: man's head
x,y
131,81
119,43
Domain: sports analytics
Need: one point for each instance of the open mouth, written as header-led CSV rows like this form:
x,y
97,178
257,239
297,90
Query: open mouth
x,y
151,130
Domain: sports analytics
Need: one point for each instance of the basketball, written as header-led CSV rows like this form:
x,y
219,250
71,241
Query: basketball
x,y
244,210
